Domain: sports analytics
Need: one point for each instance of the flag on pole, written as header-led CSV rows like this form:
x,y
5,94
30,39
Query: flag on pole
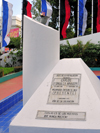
x,y
46,10
82,17
64,17
43,8
7,22
27,8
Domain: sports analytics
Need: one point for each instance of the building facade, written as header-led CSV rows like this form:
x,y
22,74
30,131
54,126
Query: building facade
x,y
16,23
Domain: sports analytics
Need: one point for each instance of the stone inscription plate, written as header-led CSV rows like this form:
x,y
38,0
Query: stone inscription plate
x,y
65,89
61,115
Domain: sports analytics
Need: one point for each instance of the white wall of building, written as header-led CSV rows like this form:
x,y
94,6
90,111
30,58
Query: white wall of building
x,y
94,38
16,22
40,54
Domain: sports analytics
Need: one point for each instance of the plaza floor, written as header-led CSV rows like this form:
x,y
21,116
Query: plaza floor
x,y
11,86
7,88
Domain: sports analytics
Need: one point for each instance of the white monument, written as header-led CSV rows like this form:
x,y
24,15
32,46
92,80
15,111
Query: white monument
x,y
67,101
40,54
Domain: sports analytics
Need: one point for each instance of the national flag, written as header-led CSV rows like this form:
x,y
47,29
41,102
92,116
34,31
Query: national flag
x,y
43,8
27,8
7,22
64,17
46,9
82,17
26,11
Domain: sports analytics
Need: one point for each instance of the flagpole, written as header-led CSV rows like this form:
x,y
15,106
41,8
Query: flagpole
x,y
22,22
78,18
2,25
92,19
59,16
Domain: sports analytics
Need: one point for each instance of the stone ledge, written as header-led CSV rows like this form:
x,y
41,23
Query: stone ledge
x,y
10,76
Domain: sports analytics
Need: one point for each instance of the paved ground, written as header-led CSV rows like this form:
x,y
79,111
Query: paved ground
x,y
9,87
97,73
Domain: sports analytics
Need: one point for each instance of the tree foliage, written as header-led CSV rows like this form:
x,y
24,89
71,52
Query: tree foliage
x,y
36,8
89,52
55,16
15,42
73,18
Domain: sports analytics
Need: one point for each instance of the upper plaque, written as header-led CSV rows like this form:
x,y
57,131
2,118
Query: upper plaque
x,y
65,89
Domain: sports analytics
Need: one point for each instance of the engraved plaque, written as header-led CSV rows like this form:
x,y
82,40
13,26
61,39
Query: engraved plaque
x,y
61,115
65,89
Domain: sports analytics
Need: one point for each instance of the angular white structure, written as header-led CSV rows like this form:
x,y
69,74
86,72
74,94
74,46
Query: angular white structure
x,y
93,38
40,54
71,110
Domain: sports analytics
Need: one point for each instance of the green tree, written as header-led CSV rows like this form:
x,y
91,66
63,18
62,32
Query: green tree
x,y
73,17
36,9
55,15
70,32
15,43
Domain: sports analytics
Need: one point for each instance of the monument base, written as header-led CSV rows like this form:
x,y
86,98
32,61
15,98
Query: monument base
x,y
67,101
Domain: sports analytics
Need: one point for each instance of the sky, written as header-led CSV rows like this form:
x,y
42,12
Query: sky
x,y
17,7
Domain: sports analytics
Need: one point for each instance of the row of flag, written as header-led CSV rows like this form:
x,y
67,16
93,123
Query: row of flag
x,y
65,11
7,18
46,10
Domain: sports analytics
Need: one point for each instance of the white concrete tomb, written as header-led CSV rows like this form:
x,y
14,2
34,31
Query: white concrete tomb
x,y
67,101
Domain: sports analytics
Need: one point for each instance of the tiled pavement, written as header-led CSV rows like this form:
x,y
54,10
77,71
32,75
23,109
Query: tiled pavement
x,y
7,88
11,86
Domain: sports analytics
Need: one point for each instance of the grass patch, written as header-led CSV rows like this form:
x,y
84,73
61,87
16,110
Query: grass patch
x,y
7,70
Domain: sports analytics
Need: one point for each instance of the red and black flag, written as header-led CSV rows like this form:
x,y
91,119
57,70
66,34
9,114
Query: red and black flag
x,y
27,8
96,16
64,17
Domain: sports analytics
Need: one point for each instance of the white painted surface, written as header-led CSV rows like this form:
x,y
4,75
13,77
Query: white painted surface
x,y
40,54
93,37
89,102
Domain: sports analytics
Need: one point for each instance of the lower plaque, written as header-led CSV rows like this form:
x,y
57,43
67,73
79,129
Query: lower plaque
x,y
61,115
